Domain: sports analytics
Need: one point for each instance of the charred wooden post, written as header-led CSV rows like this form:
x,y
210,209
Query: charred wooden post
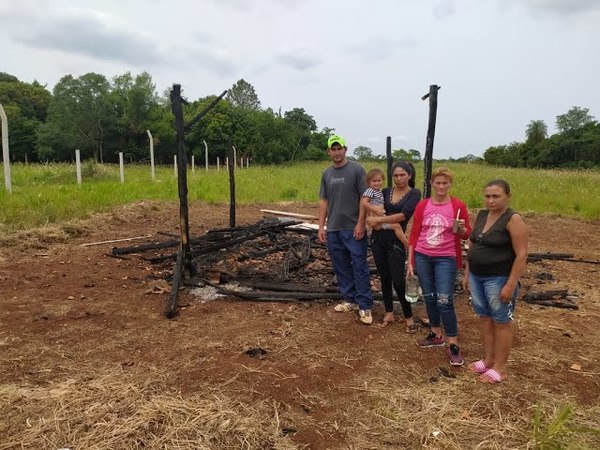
x,y
390,161
557,298
548,295
202,113
428,159
231,185
184,266
171,309
184,225
550,255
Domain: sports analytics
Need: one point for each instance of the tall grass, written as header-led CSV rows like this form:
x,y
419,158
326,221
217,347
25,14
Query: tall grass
x,y
49,193
559,430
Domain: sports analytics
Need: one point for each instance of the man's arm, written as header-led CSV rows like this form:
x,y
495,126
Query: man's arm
x,y
322,217
359,229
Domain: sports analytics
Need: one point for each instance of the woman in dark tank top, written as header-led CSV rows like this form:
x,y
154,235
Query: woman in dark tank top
x,y
491,252
495,262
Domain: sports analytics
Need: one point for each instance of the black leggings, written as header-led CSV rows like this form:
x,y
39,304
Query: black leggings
x,y
390,258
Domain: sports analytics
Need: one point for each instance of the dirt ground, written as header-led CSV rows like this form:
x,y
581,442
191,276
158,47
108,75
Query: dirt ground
x,y
82,332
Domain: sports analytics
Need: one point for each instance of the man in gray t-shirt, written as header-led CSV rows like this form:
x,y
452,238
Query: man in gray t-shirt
x,y
342,186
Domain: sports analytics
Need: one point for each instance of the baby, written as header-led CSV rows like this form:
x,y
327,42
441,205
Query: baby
x,y
373,201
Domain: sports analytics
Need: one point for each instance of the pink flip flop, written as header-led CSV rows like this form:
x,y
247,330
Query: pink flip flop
x,y
478,367
491,377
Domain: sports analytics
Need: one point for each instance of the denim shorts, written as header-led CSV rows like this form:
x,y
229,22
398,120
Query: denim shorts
x,y
485,298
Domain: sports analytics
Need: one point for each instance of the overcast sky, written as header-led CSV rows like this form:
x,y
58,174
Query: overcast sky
x,y
358,66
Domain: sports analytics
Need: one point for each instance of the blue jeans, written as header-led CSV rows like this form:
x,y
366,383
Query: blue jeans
x,y
485,298
349,259
437,275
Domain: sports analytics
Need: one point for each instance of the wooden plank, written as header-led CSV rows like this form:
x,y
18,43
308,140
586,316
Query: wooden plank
x,y
289,214
112,241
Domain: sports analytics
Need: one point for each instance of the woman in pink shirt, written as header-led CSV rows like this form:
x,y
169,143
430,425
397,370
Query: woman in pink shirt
x,y
439,224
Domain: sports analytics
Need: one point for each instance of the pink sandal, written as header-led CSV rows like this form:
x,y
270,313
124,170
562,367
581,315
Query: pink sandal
x,y
478,367
491,376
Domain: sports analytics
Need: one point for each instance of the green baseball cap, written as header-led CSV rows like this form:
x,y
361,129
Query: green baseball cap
x,y
335,138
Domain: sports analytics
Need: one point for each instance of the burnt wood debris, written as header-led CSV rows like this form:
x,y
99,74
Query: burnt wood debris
x,y
557,298
271,260
281,260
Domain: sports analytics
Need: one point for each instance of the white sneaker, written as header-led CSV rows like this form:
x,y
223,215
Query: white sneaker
x,y
365,316
345,307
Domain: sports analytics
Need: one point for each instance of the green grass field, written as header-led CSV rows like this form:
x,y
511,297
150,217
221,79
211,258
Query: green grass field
x,y
43,194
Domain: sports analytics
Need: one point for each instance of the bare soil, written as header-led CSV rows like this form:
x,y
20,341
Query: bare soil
x,y
73,316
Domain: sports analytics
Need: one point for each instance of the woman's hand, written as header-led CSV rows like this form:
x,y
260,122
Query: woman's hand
x,y
506,293
372,221
465,278
410,271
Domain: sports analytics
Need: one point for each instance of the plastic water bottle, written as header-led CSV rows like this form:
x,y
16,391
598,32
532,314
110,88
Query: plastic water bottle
x,y
412,288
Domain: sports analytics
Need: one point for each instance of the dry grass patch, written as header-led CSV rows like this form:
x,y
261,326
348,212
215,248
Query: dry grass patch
x,y
113,412
42,237
400,408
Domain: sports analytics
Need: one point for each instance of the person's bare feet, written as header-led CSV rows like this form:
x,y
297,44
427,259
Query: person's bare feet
x,y
388,319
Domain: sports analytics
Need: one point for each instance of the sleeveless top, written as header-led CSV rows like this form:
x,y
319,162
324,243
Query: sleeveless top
x,y
491,253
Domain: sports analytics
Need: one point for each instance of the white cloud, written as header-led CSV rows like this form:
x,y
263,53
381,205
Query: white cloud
x,y
443,9
379,48
92,34
560,7
299,58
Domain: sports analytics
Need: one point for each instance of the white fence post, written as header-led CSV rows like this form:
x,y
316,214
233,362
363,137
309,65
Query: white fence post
x,y
78,166
121,168
152,171
5,152
175,165
218,163
193,164
206,155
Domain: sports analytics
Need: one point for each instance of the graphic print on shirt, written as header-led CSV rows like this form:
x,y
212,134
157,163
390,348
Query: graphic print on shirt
x,y
435,224
339,180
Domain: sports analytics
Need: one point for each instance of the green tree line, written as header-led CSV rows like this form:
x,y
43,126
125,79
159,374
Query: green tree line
x,y
575,145
103,117
363,153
